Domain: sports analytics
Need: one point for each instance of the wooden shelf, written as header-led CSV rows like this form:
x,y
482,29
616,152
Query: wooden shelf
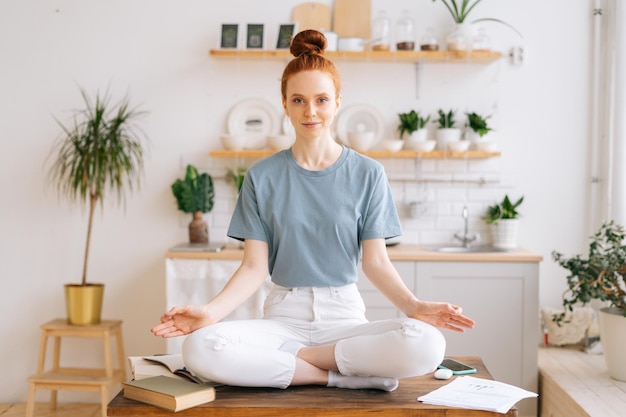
x,y
262,153
474,57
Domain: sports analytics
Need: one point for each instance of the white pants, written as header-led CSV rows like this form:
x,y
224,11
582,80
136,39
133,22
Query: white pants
x,y
246,352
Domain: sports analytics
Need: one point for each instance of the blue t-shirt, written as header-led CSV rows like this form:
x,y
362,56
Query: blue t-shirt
x,y
314,221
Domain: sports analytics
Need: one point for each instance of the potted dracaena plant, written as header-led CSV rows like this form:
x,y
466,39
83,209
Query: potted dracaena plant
x,y
100,155
601,276
461,36
195,194
503,219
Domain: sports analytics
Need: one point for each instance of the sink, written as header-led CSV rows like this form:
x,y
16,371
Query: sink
x,y
463,249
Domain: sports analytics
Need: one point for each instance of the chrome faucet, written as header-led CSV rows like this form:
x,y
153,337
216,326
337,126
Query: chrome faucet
x,y
467,238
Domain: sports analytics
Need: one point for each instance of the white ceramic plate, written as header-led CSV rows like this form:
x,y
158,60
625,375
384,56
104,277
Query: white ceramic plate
x,y
360,118
256,119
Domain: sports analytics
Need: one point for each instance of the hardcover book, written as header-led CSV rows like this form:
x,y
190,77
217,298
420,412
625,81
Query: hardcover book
x,y
168,393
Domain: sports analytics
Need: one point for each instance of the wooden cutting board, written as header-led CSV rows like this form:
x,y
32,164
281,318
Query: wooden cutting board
x,y
352,18
312,15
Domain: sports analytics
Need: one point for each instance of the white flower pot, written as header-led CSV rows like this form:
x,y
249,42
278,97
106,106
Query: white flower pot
x,y
444,136
418,136
613,338
504,233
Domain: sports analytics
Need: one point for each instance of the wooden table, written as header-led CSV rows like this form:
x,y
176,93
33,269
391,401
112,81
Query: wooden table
x,y
309,401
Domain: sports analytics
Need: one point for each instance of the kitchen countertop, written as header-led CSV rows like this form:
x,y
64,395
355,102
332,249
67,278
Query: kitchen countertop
x,y
399,252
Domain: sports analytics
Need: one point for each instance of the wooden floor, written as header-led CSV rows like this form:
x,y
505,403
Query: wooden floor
x,y
43,410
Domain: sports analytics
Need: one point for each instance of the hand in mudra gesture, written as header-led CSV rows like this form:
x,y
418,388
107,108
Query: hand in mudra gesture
x,y
180,321
443,315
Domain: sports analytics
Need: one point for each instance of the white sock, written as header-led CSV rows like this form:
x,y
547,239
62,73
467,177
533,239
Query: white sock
x,y
292,346
335,379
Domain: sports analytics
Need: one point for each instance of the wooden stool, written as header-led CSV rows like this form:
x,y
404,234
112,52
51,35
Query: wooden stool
x,y
77,379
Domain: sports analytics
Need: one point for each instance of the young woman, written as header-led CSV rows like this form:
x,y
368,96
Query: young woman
x,y
308,215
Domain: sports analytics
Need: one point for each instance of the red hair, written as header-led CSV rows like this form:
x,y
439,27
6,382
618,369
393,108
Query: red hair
x,y
308,49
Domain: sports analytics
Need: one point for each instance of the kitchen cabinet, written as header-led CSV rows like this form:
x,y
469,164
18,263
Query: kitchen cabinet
x,y
503,299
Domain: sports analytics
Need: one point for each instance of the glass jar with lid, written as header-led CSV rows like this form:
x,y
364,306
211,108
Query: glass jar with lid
x,y
428,42
405,32
380,32
481,41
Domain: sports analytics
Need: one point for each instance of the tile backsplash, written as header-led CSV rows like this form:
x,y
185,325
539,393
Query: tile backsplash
x,y
429,193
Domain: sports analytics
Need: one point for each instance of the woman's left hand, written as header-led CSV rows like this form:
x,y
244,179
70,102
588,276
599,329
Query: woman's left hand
x,y
443,315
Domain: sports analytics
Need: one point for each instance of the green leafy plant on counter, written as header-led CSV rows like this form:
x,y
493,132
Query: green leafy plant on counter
x,y
411,122
478,123
460,12
503,210
446,120
600,275
195,192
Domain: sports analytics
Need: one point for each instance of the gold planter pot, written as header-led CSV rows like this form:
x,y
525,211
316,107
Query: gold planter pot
x,y
84,303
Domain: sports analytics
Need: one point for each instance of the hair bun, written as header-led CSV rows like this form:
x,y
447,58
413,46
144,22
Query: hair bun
x,y
310,42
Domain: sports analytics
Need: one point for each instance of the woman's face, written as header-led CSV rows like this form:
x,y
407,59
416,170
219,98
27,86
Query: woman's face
x,y
311,103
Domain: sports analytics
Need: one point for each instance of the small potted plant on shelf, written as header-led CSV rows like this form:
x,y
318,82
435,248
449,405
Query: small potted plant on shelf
x,y
461,37
412,127
194,194
100,154
447,131
503,219
601,276
477,132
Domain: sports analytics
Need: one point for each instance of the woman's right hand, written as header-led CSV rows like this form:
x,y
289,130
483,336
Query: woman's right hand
x,y
180,321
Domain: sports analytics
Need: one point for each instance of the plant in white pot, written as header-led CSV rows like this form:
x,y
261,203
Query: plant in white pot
x,y
601,276
100,154
446,129
412,128
478,131
195,194
503,219
461,37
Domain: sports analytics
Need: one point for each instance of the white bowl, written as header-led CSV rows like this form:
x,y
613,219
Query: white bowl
x,y
351,44
279,142
393,145
486,146
459,146
425,145
361,141
233,142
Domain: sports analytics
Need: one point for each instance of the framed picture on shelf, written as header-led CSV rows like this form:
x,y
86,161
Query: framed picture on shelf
x,y
230,36
254,36
285,34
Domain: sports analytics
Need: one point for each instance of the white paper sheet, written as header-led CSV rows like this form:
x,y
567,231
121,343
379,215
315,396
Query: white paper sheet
x,y
477,394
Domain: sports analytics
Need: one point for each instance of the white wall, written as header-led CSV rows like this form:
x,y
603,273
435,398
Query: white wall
x,y
158,52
